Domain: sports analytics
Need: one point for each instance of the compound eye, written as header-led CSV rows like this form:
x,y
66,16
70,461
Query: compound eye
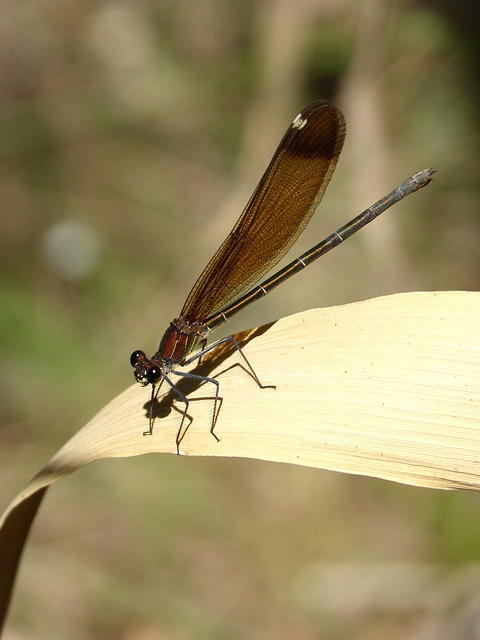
x,y
153,375
136,357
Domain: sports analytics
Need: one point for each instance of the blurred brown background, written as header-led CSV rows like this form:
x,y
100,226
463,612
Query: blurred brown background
x,y
131,136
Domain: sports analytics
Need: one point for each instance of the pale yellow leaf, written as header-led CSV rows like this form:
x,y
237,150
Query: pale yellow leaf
x,y
388,387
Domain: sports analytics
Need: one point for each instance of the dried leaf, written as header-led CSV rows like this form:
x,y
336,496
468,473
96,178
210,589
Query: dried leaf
x,y
388,387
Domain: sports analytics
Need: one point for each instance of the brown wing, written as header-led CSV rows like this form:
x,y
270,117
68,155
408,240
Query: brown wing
x,y
276,214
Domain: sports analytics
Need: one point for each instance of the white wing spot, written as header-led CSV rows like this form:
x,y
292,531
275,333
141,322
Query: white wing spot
x,y
299,122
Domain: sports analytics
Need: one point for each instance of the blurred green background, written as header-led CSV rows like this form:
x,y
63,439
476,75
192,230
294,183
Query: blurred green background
x,y
131,136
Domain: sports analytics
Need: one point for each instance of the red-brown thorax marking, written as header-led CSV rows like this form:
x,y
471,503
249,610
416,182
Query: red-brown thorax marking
x,y
179,340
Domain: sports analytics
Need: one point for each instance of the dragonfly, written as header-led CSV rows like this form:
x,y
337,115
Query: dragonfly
x,y
276,214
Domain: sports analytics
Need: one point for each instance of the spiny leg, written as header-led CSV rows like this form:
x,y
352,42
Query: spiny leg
x,y
185,401
215,401
153,397
231,339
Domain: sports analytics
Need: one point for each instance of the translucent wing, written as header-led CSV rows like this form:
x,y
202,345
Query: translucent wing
x,y
278,211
